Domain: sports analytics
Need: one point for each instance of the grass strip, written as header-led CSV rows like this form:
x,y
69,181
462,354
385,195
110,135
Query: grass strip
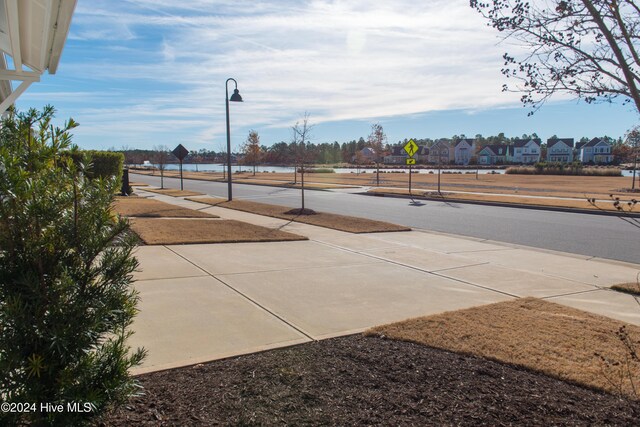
x,y
632,288
559,341
336,222
548,202
192,231
150,208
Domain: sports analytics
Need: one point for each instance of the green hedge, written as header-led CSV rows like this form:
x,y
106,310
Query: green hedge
x,y
104,164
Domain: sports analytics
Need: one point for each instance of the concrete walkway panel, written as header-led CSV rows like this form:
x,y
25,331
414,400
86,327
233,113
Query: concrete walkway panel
x,y
228,258
422,258
158,262
608,303
590,272
340,300
192,320
439,242
514,282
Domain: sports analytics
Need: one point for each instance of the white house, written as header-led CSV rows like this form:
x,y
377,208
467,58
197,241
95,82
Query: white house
x,y
597,150
440,153
497,154
464,150
560,150
526,151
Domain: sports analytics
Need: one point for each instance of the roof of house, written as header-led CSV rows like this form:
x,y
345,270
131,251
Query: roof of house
x,y
497,149
523,142
596,141
398,151
441,142
592,143
469,141
368,151
553,141
423,150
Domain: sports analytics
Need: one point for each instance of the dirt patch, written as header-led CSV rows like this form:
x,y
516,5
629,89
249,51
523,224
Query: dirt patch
x,y
183,231
138,184
632,288
532,333
173,193
337,222
356,380
150,208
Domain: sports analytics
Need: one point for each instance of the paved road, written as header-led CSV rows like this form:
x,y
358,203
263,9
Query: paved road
x,y
591,235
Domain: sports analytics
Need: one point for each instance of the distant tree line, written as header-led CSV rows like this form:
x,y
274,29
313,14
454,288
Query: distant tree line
x,y
287,153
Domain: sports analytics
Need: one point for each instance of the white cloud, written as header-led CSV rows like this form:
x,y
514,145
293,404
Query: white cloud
x,y
342,59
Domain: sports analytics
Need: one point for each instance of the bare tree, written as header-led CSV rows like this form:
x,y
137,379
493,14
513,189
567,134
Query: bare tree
x,y
376,141
586,48
161,159
301,135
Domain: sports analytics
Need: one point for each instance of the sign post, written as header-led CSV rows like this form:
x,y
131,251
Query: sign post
x,y
180,152
411,148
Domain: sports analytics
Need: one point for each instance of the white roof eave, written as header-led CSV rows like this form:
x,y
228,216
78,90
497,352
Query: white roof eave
x,y
33,34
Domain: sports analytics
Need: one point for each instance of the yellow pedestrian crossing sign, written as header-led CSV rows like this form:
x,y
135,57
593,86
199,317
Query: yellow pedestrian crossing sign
x,y
411,148
411,161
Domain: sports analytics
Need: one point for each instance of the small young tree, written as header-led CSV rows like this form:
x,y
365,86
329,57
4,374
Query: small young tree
x,y
301,134
161,159
66,301
252,150
377,140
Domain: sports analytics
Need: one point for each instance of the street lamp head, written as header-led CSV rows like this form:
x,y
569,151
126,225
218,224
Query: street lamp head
x,y
236,96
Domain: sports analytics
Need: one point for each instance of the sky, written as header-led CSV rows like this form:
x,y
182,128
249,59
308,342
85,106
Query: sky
x,y
146,73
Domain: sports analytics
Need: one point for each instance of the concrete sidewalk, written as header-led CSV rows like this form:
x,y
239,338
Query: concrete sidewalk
x,y
204,302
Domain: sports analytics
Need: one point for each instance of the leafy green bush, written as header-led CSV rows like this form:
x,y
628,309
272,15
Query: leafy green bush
x,y
66,301
100,164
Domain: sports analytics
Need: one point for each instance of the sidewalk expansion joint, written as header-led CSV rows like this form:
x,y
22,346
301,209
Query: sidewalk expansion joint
x,y
422,270
574,293
257,304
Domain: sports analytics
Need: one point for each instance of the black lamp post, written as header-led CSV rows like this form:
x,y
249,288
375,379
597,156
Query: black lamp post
x,y
235,98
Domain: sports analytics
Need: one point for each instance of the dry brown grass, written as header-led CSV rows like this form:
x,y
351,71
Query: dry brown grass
x,y
632,288
337,222
183,231
138,184
173,193
550,202
539,335
141,207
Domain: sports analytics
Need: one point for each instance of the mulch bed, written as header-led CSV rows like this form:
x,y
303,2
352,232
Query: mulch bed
x,y
359,380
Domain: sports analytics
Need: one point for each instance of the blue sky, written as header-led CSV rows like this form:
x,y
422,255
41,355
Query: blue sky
x,y
146,73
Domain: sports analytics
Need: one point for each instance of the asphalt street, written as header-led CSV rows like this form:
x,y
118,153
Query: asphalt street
x,y
585,234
